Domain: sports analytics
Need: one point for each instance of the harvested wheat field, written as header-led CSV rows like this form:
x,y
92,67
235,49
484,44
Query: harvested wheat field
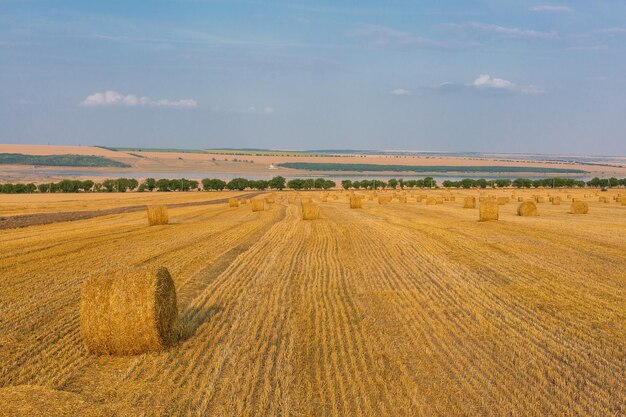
x,y
391,310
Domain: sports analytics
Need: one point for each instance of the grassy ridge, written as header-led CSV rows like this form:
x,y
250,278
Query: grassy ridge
x,y
59,160
314,166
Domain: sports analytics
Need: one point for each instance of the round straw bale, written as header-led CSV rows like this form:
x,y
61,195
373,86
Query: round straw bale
x,y
310,211
233,202
603,199
556,201
269,199
129,312
469,202
539,199
527,209
402,199
579,207
384,199
356,202
488,210
502,200
244,201
520,199
258,204
157,215
335,196
431,201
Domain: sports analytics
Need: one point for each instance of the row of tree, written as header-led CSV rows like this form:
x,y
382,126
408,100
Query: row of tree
x,y
280,183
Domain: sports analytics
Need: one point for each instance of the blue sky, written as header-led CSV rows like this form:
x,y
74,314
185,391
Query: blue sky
x,y
495,76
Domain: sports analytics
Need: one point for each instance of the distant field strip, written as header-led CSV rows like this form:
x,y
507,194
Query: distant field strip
x,y
388,310
59,160
314,166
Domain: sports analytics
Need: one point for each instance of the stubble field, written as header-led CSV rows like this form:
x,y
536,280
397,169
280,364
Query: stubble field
x,y
404,309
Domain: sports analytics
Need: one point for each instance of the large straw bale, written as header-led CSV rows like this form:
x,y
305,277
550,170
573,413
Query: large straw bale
x,y
310,211
556,201
402,198
527,209
233,202
539,199
157,215
431,201
270,199
469,202
356,202
129,312
603,199
488,210
258,204
579,207
244,201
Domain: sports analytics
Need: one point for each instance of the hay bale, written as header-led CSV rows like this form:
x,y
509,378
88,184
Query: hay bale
x,y
335,197
603,199
356,202
402,199
258,204
370,197
233,202
244,201
579,207
488,210
310,211
269,199
438,200
520,199
539,199
502,200
623,201
431,201
556,201
469,202
384,199
157,215
527,209
130,312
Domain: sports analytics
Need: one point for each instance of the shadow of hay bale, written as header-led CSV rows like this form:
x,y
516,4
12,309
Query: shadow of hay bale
x,y
192,318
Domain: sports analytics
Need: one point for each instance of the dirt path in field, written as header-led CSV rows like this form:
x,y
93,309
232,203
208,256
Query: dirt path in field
x,y
14,222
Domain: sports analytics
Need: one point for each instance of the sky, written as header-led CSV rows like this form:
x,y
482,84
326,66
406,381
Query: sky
x,y
483,76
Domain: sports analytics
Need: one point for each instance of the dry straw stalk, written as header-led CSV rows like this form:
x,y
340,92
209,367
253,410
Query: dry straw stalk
x,y
488,210
157,215
129,312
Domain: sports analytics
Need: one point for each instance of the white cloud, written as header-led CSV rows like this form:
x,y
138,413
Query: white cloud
x,y
400,92
549,8
485,81
478,28
113,98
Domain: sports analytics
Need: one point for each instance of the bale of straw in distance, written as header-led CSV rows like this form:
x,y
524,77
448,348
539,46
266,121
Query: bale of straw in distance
x,y
335,197
579,207
488,210
402,199
603,199
258,204
310,211
438,200
527,209
502,200
129,312
520,199
356,202
623,201
244,201
384,199
539,199
431,201
269,199
233,202
556,201
157,215
469,202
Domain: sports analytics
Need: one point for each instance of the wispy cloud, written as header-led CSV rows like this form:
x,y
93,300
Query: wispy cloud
x,y
377,35
263,110
485,82
113,98
400,92
484,29
552,8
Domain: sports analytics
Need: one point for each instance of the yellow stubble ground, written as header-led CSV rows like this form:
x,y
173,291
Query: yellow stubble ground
x,y
402,309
